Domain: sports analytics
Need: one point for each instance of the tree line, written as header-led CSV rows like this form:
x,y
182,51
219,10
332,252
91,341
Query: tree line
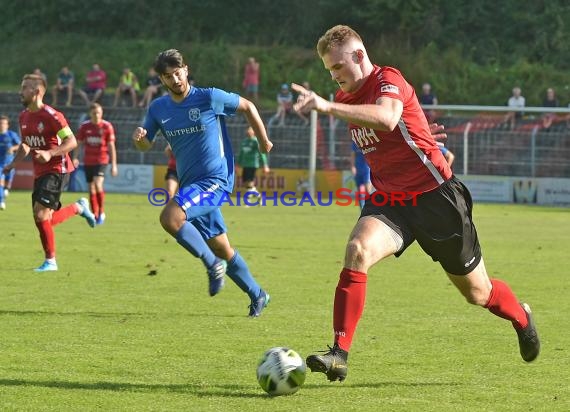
x,y
451,43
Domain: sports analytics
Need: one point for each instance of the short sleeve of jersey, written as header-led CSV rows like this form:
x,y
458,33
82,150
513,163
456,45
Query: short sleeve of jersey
x,y
150,124
110,132
355,148
392,84
15,138
224,102
59,123
81,133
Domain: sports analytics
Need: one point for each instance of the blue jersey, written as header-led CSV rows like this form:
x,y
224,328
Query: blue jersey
x,y
196,131
7,140
362,168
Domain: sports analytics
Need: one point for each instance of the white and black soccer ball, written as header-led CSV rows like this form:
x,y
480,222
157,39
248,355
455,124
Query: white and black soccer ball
x,y
281,371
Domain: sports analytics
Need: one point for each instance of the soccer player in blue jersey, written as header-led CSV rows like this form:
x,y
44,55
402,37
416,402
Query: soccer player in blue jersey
x,y
361,172
192,121
9,143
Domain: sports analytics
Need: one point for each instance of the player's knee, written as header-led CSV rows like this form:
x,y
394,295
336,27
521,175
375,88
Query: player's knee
x,y
356,251
223,252
169,223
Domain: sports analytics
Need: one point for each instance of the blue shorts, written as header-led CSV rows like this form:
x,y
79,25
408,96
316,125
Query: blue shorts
x,y
201,202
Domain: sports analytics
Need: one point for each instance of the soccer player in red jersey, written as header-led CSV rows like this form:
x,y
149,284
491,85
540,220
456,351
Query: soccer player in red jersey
x,y
46,134
171,176
387,123
97,137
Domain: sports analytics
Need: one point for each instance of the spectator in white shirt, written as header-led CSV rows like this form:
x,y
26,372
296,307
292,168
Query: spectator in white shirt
x,y
515,101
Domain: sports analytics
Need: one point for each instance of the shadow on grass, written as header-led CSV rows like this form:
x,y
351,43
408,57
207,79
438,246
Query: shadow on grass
x,y
226,391
376,385
232,391
113,314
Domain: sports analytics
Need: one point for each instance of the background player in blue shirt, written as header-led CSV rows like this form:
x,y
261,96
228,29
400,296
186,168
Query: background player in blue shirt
x,y
448,154
9,143
361,172
192,121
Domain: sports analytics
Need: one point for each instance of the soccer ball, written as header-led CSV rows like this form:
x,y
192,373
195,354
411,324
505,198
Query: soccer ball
x,y
281,371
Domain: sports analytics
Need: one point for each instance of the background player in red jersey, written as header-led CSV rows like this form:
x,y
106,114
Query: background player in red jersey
x,y
387,122
97,137
171,176
46,134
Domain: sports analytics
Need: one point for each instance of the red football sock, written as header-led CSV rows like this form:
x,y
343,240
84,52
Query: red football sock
x,y
63,214
348,306
503,303
95,205
100,201
47,237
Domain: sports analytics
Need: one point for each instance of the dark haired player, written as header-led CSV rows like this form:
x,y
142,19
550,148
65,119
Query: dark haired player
x,y
47,136
191,119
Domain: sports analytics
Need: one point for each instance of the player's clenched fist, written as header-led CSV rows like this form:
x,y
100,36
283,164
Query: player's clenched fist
x,y
140,139
139,134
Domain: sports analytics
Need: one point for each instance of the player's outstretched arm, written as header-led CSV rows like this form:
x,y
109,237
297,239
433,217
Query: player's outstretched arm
x,y
254,119
384,115
141,141
21,153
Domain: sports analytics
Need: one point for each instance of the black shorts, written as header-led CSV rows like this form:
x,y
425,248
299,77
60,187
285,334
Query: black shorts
x,y
441,222
48,188
248,174
94,170
171,175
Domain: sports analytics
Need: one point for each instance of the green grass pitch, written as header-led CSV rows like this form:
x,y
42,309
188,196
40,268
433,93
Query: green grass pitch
x,y
101,334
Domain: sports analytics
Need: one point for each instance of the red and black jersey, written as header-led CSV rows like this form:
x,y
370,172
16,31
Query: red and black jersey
x,y
171,162
44,129
96,139
406,159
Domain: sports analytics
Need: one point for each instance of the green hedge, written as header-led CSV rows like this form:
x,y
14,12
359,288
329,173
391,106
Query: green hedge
x,y
454,79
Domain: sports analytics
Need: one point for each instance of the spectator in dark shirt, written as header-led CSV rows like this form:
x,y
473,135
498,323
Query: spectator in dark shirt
x,y
549,101
153,88
427,97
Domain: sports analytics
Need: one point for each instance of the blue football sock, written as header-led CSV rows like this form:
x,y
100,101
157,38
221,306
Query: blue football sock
x,y
189,237
239,272
1,193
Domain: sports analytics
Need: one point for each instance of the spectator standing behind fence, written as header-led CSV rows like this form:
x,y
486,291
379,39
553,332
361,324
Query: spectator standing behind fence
x,y
96,83
251,79
64,83
427,97
516,101
153,88
549,101
128,84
